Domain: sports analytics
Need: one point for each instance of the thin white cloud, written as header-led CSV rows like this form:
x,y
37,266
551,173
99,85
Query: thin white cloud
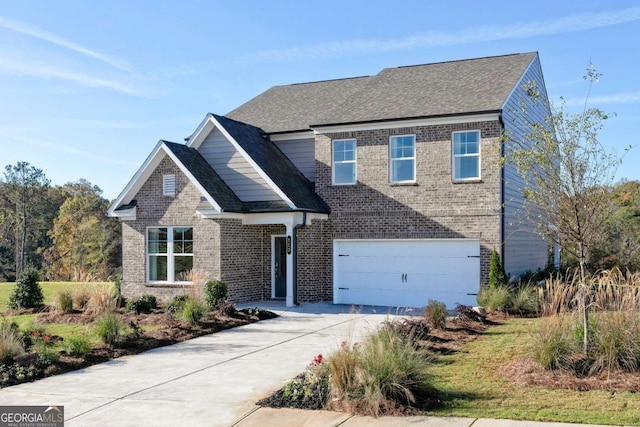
x,y
573,23
23,68
28,30
71,150
617,98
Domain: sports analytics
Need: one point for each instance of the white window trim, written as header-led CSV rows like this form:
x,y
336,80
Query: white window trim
x,y
454,156
354,161
170,255
391,159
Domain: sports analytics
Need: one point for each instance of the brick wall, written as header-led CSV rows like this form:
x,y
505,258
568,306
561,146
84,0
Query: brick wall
x,y
433,207
239,255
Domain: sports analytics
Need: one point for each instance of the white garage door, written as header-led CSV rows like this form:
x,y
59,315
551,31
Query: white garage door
x,y
406,273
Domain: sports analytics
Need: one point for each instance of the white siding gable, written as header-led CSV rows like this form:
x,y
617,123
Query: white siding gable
x,y
301,152
234,169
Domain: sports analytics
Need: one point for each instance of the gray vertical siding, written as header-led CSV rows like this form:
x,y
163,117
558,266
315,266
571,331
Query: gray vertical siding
x,y
234,169
524,249
301,152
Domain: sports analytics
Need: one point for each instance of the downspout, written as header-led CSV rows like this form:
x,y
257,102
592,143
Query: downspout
x,y
294,239
502,184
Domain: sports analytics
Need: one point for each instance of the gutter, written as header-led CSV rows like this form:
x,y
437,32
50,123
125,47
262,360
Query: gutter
x,y
294,239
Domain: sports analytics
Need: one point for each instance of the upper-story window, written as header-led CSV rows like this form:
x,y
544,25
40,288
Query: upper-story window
x,y
403,158
344,161
169,254
466,155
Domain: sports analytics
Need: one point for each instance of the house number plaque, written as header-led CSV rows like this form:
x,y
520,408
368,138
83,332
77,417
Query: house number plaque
x,y
288,245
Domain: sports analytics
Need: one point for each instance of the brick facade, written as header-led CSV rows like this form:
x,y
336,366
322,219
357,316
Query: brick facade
x,y
240,255
243,263
433,207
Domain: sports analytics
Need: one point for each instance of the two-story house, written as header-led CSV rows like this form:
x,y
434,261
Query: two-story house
x,y
379,190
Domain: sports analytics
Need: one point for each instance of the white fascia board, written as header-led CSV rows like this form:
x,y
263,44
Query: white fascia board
x,y
290,136
138,179
395,124
127,215
203,131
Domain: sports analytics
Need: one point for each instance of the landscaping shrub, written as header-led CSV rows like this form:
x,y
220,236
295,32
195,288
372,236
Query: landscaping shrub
x,y
436,314
108,328
116,293
497,276
64,300
311,389
215,293
81,296
101,300
77,345
11,374
27,292
226,308
556,343
414,329
11,345
614,325
177,304
144,304
383,371
495,299
524,300
192,311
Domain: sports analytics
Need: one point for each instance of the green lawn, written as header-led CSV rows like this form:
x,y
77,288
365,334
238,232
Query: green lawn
x,y
48,290
471,385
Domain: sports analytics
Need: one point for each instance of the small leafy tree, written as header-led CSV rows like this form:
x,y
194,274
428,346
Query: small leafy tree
x,y
497,275
215,293
27,292
566,172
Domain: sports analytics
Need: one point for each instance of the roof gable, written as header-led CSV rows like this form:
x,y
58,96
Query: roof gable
x,y
197,170
448,88
266,158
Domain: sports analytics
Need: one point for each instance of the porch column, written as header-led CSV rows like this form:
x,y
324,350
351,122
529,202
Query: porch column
x,y
290,255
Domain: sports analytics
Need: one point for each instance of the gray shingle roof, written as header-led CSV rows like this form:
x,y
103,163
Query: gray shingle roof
x,y
446,88
275,164
206,176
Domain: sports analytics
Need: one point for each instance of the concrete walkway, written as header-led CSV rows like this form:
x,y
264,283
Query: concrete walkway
x,y
215,380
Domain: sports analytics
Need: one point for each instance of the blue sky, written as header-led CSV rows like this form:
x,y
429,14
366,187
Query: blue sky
x,y
87,88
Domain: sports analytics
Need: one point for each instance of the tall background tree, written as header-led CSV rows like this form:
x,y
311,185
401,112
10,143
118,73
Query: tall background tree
x,y
24,194
567,173
62,231
85,243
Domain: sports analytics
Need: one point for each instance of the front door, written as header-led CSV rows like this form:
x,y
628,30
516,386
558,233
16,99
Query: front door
x,y
279,266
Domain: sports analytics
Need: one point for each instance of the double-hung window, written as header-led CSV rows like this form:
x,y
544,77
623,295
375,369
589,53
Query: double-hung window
x,y
466,155
344,162
169,254
402,158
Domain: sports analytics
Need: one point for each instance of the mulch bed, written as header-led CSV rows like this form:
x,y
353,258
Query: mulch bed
x,y
171,331
439,341
526,372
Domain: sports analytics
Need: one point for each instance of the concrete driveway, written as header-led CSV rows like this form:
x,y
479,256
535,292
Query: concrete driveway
x,y
213,380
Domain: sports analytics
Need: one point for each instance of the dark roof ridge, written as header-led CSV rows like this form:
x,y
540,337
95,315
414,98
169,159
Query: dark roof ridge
x,y
460,60
325,81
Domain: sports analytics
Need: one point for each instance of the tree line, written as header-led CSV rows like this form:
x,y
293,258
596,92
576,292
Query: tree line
x,y
62,231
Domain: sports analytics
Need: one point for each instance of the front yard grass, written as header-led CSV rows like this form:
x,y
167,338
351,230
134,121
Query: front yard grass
x,y
48,290
470,385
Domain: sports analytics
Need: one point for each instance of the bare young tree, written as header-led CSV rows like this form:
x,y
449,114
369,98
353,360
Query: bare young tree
x,y
566,173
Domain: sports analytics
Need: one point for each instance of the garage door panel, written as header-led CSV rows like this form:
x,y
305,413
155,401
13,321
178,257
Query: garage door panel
x,y
406,273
